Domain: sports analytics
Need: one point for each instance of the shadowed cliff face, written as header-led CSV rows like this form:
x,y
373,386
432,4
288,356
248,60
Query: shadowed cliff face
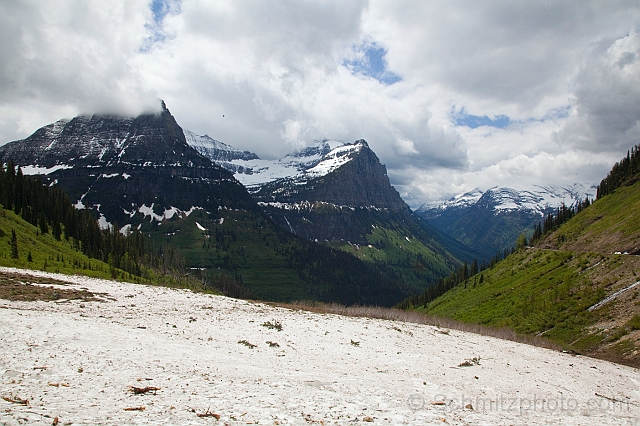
x,y
117,165
343,204
361,182
105,140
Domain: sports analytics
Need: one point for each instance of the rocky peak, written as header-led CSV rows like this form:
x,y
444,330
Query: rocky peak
x,y
215,150
151,139
348,175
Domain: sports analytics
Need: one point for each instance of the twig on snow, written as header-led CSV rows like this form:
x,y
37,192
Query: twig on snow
x,y
140,408
140,391
16,400
208,413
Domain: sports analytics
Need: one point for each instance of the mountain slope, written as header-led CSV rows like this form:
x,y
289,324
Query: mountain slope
x,y
504,214
141,173
46,253
573,287
340,194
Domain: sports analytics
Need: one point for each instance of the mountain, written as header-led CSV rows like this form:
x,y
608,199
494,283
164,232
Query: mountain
x,y
339,193
578,286
130,170
140,172
219,152
503,212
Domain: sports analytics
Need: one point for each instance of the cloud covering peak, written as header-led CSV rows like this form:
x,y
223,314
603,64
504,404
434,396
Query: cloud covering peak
x,y
450,95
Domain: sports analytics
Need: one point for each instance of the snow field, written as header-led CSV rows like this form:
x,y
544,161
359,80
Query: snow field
x,y
78,361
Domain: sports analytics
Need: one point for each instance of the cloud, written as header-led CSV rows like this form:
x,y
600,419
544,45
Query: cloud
x,y
606,97
60,57
450,95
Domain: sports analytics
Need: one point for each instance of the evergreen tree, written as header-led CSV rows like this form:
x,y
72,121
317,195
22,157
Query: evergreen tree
x,y
14,245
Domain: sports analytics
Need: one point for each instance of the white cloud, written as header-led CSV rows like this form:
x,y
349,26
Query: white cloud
x,y
607,97
272,75
74,56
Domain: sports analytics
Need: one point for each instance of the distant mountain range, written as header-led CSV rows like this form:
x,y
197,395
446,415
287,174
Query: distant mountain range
x,y
491,220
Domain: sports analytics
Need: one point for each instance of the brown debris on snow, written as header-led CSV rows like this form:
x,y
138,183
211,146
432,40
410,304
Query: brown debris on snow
x,y
141,391
16,400
140,408
208,413
27,288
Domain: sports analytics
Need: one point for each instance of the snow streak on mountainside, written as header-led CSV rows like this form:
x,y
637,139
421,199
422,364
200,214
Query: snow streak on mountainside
x,y
536,199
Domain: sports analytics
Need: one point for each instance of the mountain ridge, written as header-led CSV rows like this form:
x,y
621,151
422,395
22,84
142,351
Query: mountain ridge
x,y
505,213
140,173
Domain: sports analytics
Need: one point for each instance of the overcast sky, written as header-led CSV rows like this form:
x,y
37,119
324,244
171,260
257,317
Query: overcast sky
x,y
451,95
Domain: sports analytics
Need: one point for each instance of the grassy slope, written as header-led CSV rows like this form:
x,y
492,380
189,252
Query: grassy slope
x,y
548,291
51,255
47,253
417,264
610,225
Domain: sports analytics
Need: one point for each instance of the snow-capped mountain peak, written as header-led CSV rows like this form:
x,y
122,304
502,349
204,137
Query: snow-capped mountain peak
x,y
320,159
536,198
460,200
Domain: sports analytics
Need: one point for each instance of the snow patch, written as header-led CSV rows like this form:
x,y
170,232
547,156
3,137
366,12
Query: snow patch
x,y
200,227
191,210
103,223
187,343
166,215
126,230
318,160
38,170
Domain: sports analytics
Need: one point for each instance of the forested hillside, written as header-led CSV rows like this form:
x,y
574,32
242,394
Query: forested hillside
x,y
45,231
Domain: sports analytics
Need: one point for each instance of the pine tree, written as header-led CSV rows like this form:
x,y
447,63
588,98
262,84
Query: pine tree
x,y
14,245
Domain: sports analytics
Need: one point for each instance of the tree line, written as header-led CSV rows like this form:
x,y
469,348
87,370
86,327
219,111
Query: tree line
x,y
553,220
624,172
50,210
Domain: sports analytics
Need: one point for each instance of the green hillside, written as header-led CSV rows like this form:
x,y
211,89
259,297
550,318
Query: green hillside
x,y
417,264
548,289
250,256
43,252
47,253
